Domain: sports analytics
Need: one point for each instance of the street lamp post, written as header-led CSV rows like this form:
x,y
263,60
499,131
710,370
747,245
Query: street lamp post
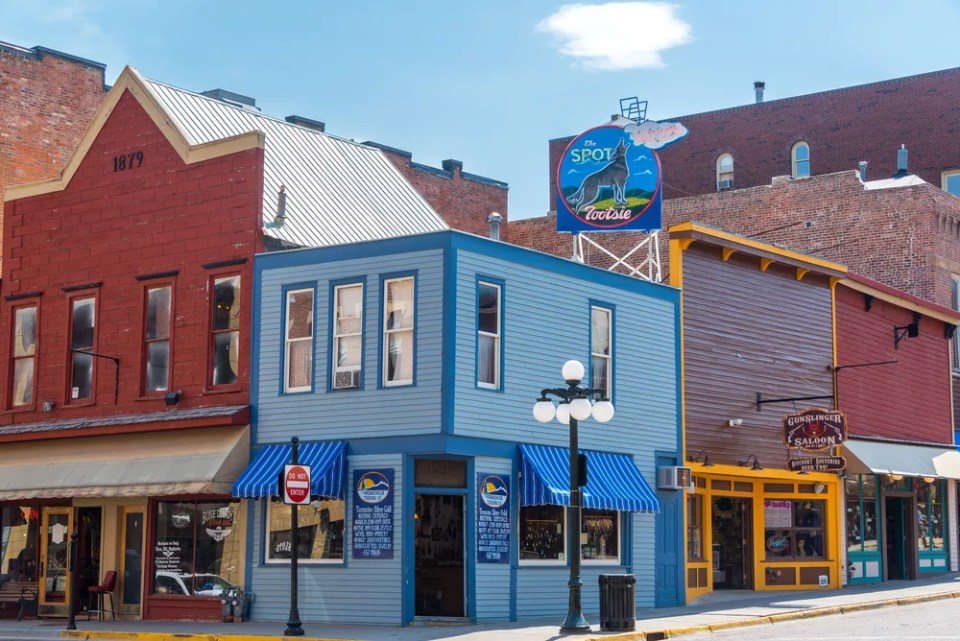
x,y
575,405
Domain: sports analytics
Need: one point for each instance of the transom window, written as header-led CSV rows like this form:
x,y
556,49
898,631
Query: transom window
x,y
542,538
398,318
800,157
951,181
156,339
488,335
82,336
225,330
725,171
298,346
601,349
347,336
24,355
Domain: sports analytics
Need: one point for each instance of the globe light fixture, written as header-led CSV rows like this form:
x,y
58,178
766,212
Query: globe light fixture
x,y
575,404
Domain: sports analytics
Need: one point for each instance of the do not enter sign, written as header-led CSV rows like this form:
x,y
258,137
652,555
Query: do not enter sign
x,y
296,484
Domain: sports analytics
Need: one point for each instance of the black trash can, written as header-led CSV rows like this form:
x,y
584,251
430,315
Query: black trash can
x,y
618,602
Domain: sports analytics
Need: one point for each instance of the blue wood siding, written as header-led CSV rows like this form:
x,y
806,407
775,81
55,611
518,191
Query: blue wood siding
x,y
492,586
371,411
335,593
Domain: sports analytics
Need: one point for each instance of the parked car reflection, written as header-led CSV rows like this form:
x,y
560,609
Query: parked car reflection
x,y
191,584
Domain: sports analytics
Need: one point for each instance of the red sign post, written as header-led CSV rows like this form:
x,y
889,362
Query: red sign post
x,y
296,484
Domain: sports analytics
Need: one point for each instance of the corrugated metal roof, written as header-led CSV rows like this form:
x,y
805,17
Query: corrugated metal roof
x,y
337,191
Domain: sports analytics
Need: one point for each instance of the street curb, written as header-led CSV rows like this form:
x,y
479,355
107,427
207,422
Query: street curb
x,y
170,636
670,633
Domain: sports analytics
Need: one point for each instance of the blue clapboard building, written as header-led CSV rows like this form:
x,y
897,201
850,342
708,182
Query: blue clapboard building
x,y
408,369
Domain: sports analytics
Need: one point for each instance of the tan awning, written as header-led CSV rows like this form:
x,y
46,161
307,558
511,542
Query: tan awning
x,y
874,457
186,461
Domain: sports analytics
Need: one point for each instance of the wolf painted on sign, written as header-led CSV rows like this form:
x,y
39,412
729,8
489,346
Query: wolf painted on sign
x,y
613,175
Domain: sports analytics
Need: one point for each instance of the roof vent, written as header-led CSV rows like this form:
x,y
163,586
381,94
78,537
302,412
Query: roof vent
x,y
316,125
281,207
863,171
901,162
495,219
231,98
758,88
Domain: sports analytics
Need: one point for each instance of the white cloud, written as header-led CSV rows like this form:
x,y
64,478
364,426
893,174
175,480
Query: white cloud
x,y
617,35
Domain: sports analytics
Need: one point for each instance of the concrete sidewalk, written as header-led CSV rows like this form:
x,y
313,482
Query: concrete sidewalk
x,y
716,611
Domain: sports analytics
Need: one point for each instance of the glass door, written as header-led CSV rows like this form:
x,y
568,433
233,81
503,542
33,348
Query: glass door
x,y
57,525
131,570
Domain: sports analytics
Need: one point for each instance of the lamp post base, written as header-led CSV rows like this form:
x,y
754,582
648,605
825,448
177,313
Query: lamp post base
x,y
575,624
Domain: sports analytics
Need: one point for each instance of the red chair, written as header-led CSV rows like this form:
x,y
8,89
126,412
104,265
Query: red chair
x,y
107,587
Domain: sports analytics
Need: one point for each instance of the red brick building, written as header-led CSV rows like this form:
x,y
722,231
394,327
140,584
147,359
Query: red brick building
x,y
126,303
840,127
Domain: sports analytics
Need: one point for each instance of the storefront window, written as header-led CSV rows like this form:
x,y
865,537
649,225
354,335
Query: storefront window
x,y
793,529
861,506
542,534
198,547
320,531
929,515
19,529
695,527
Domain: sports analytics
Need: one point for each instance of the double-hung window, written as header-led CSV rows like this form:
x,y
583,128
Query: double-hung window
x,y
156,339
82,341
298,344
489,321
601,349
225,331
951,181
24,352
955,304
347,335
800,157
398,319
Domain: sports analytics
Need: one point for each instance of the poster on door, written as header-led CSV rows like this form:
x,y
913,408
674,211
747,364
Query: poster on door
x,y
373,514
493,518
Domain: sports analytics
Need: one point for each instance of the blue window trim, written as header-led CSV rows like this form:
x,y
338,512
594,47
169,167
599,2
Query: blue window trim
x,y
502,286
380,322
613,343
284,291
333,284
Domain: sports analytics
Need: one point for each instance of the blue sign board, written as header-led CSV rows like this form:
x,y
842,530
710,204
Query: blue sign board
x,y
373,514
493,518
609,177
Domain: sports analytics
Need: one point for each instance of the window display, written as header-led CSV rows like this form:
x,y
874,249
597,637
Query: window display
x,y
929,515
542,535
793,529
320,527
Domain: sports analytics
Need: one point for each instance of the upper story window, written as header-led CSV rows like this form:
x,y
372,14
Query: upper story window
x,y
156,339
225,330
951,181
347,336
298,344
800,160
601,349
24,352
82,341
955,304
398,318
488,334
725,172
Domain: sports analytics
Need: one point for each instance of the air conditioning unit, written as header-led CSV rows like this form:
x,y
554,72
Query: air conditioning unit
x,y
726,183
675,478
348,379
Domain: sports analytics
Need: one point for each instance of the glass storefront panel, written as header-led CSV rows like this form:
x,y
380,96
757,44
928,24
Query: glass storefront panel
x,y
19,542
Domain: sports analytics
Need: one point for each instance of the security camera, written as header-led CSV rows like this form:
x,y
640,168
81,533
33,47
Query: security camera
x,y
735,422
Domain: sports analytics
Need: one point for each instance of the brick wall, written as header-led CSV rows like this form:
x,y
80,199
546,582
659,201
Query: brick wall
x,y
842,127
464,200
108,227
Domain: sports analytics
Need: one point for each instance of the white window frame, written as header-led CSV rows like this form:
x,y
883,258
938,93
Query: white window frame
x,y
387,333
724,175
945,178
794,162
566,543
33,357
495,336
955,342
266,538
337,336
288,341
595,354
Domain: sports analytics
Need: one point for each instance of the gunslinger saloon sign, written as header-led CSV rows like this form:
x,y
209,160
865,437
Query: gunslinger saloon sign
x,y
815,429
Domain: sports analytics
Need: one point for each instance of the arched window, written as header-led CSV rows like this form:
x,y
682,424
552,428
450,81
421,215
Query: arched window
x,y
801,160
725,172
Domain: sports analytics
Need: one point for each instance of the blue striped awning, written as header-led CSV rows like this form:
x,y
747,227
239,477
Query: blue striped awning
x,y
326,461
613,480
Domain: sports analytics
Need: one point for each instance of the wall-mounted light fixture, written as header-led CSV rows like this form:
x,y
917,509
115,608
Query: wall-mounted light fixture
x,y
705,461
735,422
819,488
172,398
912,330
893,478
929,479
48,406
756,463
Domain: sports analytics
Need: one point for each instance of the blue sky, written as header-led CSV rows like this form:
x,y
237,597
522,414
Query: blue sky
x,y
490,82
